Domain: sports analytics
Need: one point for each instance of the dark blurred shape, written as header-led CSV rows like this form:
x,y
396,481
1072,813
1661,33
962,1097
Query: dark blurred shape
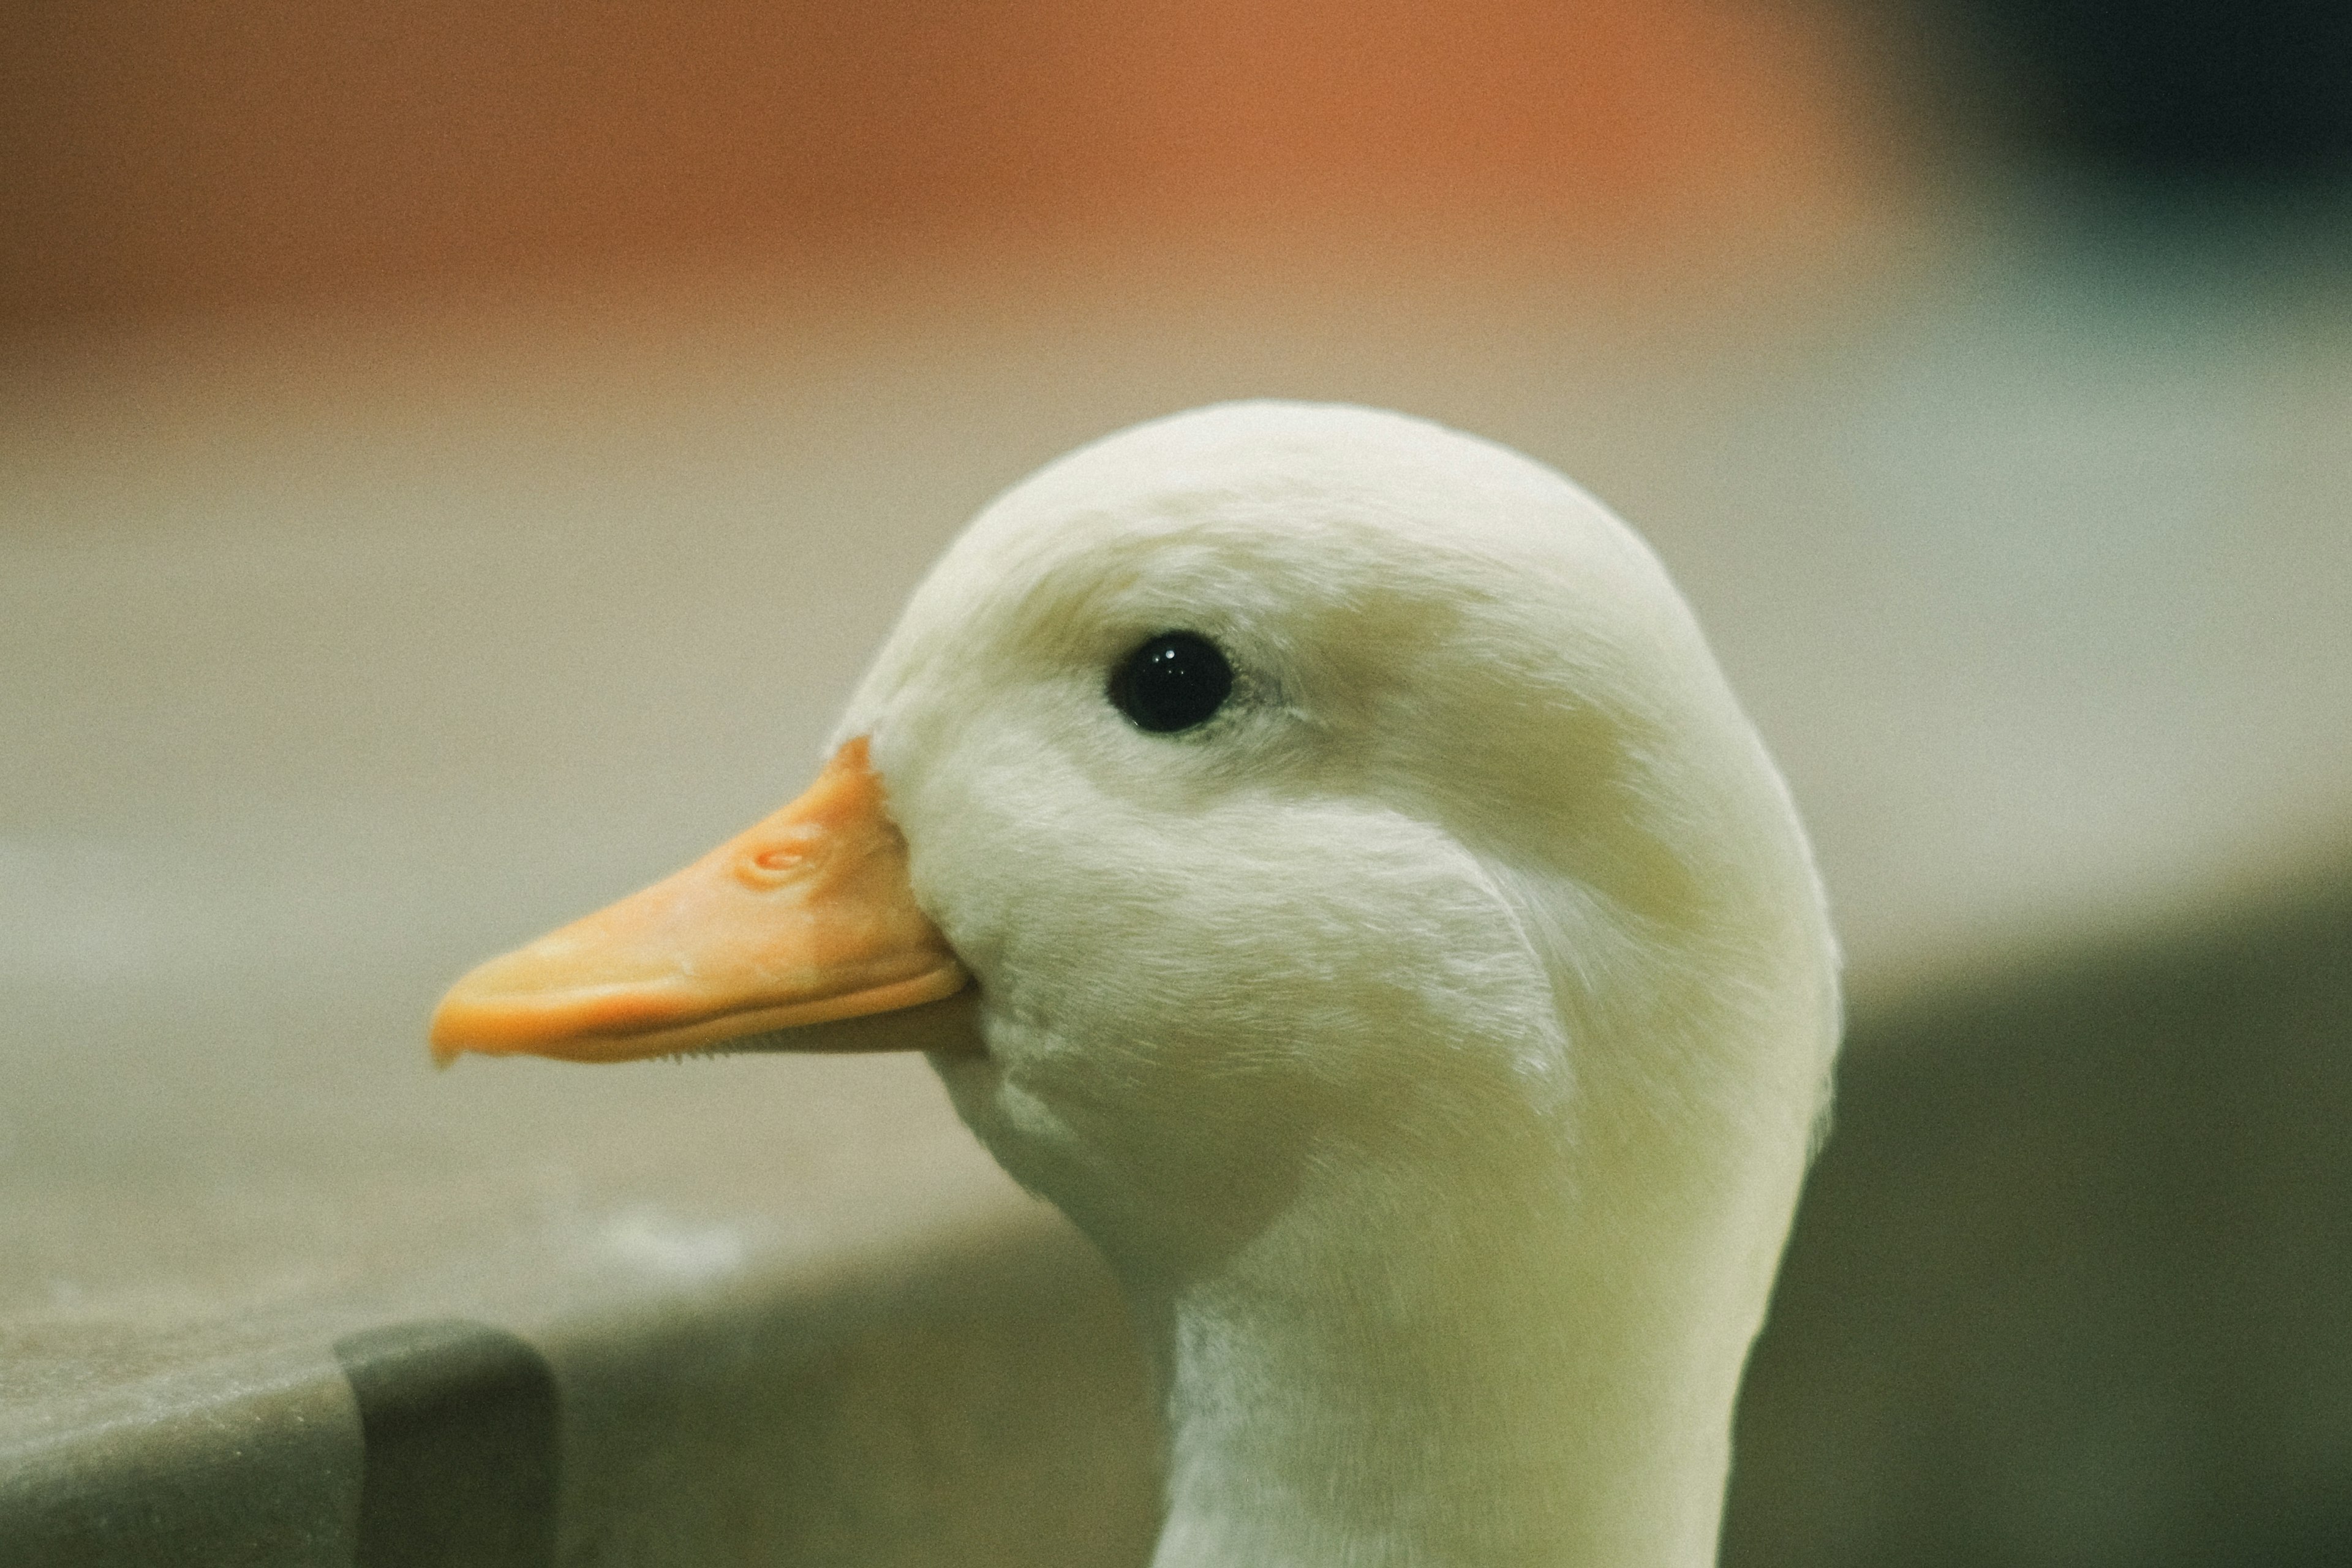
x,y
2073,1280
458,1420
2203,91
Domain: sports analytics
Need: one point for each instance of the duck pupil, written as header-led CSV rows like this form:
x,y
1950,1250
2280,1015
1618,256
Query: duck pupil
x,y
1173,682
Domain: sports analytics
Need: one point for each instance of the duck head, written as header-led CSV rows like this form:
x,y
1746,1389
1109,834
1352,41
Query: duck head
x,y
1388,941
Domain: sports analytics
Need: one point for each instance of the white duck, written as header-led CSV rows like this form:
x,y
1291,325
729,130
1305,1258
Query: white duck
x,y
1394,947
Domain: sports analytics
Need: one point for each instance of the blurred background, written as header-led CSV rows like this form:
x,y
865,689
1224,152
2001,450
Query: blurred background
x,y
454,459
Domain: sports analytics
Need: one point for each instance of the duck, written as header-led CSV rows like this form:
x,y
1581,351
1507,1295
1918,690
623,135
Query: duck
x,y
1319,854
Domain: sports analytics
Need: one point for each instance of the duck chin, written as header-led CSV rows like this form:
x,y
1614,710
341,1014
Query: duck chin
x,y
1175,1153
1167,1191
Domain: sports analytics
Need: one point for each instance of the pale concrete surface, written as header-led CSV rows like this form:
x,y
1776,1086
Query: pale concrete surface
x,y
333,661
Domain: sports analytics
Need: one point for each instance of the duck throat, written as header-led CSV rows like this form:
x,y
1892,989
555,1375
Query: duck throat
x,y
1510,1382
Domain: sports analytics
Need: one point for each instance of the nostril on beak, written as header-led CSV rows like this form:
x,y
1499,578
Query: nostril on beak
x,y
776,863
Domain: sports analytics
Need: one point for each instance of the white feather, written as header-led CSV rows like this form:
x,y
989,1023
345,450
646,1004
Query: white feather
x,y
1432,1040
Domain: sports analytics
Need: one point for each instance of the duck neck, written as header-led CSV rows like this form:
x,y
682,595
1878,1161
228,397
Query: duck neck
x,y
1514,1381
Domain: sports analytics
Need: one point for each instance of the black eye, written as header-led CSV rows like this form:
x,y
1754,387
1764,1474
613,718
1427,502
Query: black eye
x,y
1173,682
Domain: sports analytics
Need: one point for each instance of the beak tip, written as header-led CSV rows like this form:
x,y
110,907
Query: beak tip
x,y
448,1035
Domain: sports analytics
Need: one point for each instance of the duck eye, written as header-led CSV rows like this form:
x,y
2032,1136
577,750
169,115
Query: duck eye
x,y
1173,682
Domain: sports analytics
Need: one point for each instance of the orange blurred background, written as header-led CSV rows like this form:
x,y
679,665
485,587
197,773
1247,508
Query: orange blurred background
x,y
163,155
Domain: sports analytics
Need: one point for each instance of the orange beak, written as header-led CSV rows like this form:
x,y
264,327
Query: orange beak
x,y
808,918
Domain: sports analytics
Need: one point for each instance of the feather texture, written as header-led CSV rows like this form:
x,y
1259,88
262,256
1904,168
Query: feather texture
x,y
1431,1039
